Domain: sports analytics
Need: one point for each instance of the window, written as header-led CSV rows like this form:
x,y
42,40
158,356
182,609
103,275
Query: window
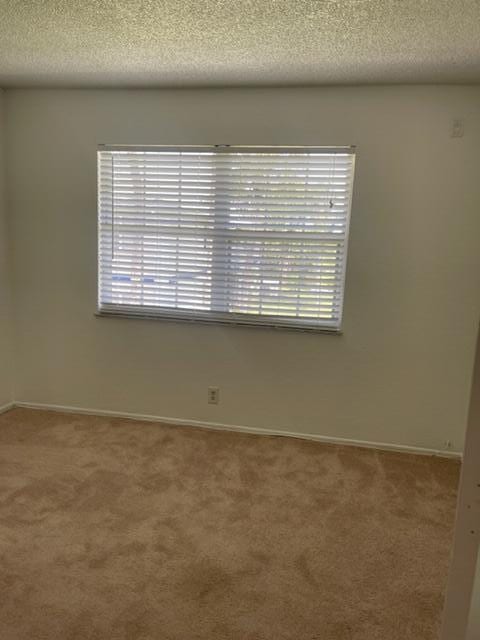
x,y
250,235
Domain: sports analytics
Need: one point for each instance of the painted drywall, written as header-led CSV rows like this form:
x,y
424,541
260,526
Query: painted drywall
x,y
6,375
400,373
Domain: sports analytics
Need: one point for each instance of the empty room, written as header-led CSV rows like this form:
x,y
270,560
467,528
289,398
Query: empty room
x,y
239,306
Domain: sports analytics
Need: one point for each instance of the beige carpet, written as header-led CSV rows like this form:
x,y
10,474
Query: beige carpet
x,y
119,530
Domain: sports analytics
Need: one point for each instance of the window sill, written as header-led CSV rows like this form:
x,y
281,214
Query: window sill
x,y
215,321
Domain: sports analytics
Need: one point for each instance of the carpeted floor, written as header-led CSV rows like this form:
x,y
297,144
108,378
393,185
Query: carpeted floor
x,y
120,530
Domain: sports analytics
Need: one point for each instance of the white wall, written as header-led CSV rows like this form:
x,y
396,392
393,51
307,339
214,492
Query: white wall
x,y
401,371
6,375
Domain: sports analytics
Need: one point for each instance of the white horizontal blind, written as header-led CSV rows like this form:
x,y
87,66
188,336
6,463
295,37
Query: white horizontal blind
x,y
236,234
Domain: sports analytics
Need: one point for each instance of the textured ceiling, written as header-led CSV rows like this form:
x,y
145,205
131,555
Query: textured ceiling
x,y
237,42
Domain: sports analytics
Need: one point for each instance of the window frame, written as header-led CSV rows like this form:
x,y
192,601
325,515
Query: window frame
x,y
145,312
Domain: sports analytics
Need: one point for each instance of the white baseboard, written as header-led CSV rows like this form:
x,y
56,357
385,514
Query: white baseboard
x,y
6,407
186,422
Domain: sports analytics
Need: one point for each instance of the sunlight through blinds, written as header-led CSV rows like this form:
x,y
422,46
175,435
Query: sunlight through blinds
x,y
251,235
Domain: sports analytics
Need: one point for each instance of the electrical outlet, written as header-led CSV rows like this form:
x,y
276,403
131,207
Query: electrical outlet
x,y
213,395
447,444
